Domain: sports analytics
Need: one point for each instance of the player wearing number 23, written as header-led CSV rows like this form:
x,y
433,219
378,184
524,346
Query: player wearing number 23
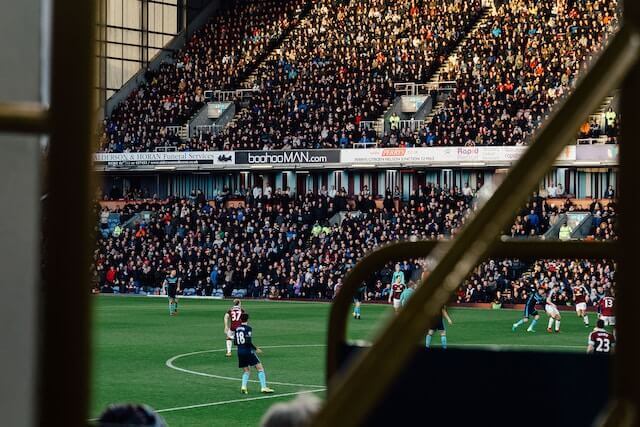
x,y
600,340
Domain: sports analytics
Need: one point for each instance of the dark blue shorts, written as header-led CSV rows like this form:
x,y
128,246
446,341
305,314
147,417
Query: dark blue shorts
x,y
530,311
246,360
172,291
438,325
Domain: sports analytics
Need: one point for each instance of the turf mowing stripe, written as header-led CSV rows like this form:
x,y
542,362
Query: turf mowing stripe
x,y
169,364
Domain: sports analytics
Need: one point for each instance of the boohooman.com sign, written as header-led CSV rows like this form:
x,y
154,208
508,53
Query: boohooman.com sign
x,y
302,157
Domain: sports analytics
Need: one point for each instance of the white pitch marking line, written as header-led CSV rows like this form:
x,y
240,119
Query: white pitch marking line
x,y
169,364
225,402
510,346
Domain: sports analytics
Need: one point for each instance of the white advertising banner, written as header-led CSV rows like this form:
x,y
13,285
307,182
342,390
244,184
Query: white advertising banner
x,y
166,158
453,155
580,155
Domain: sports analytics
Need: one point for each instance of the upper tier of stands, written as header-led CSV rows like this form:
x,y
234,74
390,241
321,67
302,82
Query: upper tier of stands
x,y
527,56
218,56
338,69
338,66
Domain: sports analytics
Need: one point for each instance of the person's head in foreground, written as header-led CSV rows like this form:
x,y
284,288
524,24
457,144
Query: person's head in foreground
x,y
130,414
297,413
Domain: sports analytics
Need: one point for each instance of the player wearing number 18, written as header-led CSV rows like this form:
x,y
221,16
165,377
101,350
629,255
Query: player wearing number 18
x,y
247,356
600,341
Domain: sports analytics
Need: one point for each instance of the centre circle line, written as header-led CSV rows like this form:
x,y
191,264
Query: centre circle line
x,y
170,364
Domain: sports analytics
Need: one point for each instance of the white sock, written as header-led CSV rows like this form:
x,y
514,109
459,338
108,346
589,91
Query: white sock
x,y
586,319
557,325
550,322
229,346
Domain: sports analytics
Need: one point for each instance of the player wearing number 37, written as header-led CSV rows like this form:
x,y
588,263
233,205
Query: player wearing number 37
x,y
247,356
231,323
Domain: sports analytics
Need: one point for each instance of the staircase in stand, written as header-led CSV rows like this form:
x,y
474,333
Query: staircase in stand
x,y
446,66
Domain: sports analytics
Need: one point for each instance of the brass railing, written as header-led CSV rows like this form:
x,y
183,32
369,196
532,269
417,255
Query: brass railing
x,y
455,259
337,332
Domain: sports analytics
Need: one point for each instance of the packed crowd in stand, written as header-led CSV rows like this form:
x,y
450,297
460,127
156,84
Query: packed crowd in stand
x,y
335,70
505,281
338,69
514,69
339,64
282,245
538,216
279,244
219,56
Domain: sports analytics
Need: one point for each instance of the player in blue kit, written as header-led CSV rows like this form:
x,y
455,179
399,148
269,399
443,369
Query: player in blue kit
x,y
171,285
247,356
537,297
439,326
357,298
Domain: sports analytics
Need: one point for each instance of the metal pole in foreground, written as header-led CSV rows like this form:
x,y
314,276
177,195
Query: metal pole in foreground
x,y
625,408
65,320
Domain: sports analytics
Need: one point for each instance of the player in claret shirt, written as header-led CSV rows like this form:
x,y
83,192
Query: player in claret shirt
x,y
581,297
552,309
606,307
600,341
247,356
231,323
396,291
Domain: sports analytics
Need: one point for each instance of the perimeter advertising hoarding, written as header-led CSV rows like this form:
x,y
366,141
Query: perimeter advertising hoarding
x,y
427,155
297,157
165,158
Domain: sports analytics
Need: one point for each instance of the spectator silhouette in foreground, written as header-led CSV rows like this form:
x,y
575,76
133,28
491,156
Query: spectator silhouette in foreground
x,y
297,413
130,414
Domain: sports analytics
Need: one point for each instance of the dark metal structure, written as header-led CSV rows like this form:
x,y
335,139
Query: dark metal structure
x,y
354,392
63,371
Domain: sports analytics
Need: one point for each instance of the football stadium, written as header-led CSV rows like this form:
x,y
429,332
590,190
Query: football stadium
x,y
320,213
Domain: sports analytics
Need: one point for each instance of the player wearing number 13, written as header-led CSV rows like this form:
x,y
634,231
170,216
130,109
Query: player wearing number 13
x,y
231,323
607,307
600,341
247,356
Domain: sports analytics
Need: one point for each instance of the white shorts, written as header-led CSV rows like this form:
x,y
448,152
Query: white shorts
x,y
608,320
231,334
396,303
581,306
551,310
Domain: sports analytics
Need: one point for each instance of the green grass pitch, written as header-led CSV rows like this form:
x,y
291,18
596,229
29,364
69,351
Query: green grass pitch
x,y
135,340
